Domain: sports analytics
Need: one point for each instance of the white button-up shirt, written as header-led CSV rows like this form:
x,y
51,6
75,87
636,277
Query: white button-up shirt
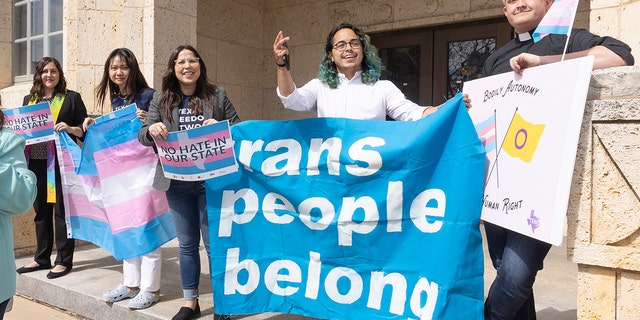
x,y
353,99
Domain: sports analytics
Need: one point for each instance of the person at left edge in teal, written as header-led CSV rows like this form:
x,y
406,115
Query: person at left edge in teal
x,y
17,192
68,109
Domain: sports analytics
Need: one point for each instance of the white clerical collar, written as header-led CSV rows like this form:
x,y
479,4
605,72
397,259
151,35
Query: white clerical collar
x,y
523,37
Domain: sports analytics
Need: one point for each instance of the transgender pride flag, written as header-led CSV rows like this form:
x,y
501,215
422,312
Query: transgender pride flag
x,y
113,204
487,133
558,20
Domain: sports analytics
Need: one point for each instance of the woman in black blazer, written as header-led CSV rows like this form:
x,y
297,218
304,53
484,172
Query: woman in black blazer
x,y
68,112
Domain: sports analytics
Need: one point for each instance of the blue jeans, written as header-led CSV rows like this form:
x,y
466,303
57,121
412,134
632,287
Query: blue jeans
x,y
188,205
517,259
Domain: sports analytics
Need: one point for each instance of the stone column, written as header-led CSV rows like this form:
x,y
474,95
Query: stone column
x,y
604,207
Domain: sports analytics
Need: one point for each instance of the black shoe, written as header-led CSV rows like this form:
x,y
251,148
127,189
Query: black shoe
x,y
187,313
221,317
26,269
54,275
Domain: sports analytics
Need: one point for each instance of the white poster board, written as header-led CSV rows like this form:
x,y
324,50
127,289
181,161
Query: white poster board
x,y
530,125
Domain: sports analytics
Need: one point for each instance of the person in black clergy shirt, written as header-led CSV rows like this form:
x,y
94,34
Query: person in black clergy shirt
x,y
517,258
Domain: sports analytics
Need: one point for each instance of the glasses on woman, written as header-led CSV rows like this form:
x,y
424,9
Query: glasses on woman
x,y
190,61
341,45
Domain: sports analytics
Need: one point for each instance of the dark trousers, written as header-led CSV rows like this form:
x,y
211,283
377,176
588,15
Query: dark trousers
x,y
3,307
517,259
46,222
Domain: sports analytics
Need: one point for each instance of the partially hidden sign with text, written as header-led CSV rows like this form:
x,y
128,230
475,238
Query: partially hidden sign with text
x,y
33,122
351,219
529,125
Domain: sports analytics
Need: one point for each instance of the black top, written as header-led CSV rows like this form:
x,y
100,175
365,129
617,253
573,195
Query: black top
x,y
552,44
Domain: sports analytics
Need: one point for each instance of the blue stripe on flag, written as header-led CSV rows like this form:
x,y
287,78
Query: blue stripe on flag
x,y
130,243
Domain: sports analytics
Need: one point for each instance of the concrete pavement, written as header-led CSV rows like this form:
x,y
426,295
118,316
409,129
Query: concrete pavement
x,y
77,295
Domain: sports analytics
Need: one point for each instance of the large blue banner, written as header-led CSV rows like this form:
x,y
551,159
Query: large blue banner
x,y
351,219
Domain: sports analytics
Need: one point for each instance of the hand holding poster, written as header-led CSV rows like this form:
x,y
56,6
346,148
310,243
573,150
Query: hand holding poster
x,y
351,219
34,122
199,153
530,125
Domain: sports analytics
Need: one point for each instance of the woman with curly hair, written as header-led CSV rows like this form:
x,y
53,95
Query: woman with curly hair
x,y
349,84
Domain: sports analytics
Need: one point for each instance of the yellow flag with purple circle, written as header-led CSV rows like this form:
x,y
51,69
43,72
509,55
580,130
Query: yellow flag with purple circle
x,y
521,140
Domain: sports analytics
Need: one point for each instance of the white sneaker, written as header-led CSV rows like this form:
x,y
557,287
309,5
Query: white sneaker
x,y
119,293
144,300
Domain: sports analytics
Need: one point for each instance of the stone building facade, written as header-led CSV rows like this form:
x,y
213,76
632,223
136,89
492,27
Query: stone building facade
x,y
235,38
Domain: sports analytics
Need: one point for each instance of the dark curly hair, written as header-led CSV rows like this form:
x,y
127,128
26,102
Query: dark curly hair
x,y
371,64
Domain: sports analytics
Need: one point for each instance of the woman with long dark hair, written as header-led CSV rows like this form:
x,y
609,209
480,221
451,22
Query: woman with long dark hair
x,y
187,100
68,109
125,84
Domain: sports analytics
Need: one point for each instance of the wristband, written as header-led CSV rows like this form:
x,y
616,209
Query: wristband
x,y
280,65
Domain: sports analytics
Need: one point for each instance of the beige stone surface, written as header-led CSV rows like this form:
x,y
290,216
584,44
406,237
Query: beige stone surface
x,y
603,209
628,291
616,183
596,293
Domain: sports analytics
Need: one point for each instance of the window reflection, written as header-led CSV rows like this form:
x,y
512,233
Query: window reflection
x,y
466,59
402,67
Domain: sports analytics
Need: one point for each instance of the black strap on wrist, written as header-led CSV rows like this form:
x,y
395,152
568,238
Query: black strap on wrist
x,y
280,65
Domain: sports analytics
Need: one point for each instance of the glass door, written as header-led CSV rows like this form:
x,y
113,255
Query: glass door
x,y
431,65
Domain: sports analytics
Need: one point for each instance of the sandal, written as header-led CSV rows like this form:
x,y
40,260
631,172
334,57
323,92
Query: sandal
x,y
119,293
144,300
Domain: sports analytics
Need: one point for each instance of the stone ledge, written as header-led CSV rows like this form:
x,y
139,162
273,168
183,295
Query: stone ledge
x,y
625,258
612,83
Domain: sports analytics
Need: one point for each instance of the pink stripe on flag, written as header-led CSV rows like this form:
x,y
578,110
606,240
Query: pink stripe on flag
x,y
88,209
147,207
190,163
557,21
488,140
487,129
132,153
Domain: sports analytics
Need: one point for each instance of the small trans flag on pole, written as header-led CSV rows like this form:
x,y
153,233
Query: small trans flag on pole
x,y
558,20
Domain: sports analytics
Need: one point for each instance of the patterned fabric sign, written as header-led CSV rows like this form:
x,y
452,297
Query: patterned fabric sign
x,y
116,207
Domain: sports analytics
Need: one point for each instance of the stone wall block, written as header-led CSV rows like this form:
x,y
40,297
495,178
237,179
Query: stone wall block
x,y
597,293
232,22
618,82
616,183
628,291
234,64
361,14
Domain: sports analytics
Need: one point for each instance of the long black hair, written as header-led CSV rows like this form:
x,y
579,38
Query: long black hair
x,y
172,94
135,82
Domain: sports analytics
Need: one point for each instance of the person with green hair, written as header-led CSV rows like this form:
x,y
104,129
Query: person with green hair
x,y
349,84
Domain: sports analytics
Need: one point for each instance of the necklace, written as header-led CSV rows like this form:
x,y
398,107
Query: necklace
x,y
125,98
